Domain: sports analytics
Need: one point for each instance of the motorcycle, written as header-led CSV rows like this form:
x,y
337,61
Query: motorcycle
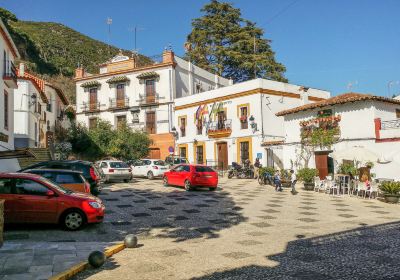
x,y
240,172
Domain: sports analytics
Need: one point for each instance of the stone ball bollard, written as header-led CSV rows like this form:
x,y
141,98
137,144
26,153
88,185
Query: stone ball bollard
x,y
130,241
96,259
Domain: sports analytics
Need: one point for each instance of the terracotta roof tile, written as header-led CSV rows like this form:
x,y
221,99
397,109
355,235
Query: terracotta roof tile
x,y
340,99
37,82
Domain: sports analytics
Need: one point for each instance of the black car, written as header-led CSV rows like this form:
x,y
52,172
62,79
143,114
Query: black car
x,y
88,169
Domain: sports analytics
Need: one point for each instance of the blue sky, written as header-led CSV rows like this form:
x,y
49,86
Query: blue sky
x,y
324,44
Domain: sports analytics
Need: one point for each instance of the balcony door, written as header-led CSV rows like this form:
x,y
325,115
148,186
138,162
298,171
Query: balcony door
x,y
93,99
151,122
150,91
221,119
121,95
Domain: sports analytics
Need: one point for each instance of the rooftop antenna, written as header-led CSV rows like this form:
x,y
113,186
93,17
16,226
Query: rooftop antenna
x,y
350,85
390,84
109,22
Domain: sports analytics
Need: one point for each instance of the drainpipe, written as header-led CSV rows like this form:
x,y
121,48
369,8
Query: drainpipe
x,y
262,116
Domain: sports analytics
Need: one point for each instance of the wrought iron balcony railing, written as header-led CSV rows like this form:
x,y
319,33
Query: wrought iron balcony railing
x,y
219,129
392,124
10,72
90,107
116,103
146,99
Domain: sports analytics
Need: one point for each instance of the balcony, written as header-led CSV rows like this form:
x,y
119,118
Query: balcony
x,y
90,107
149,100
220,129
10,74
119,104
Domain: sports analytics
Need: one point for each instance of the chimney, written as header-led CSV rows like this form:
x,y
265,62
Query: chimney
x,y
79,72
21,69
168,56
304,95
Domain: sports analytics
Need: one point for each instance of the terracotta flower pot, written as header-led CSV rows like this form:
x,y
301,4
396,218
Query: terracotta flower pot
x,y
308,186
392,198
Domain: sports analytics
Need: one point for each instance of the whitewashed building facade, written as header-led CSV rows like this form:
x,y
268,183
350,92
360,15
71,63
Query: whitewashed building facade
x,y
39,110
9,53
142,95
364,121
231,124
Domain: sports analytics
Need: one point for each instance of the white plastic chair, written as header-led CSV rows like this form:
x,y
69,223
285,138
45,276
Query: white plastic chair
x,y
317,184
360,187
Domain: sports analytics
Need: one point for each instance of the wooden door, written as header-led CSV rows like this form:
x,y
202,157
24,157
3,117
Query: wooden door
x,y
150,91
222,156
93,99
321,163
120,96
151,122
154,153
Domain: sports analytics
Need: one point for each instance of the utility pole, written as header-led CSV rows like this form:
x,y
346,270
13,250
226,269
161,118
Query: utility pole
x,y
255,60
109,22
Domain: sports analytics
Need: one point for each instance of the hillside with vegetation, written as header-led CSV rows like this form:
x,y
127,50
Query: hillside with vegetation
x,y
53,51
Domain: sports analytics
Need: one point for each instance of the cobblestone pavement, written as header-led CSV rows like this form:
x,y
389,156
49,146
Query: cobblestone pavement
x,y
240,231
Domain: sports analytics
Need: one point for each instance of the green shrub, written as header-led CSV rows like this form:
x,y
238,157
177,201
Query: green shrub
x,y
269,170
392,188
346,168
307,175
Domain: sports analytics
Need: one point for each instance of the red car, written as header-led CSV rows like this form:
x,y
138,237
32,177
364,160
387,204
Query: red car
x,y
190,176
30,198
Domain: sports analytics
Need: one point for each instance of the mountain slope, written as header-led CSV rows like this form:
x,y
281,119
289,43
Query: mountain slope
x,y
53,50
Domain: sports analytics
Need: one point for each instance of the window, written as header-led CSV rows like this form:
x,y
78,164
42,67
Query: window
x,y
135,117
244,151
121,95
398,113
118,164
39,108
147,162
182,126
199,126
68,179
29,187
221,115
199,155
92,123
159,163
48,107
6,186
186,168
198,88
103,165
93,99
243,118
204,169
179,168
182,152
121,120
5,110
150,91
151,122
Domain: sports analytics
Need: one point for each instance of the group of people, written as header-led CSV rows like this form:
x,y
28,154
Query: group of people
x,y
277,177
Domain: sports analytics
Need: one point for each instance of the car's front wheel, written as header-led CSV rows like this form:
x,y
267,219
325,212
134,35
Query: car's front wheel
x,y
188,186
165,181
73,220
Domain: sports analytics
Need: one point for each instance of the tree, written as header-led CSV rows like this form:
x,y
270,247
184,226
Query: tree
x,y
224,43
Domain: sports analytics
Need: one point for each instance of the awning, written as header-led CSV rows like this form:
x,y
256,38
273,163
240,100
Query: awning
x,y
25,153
118,79
90,84
147,75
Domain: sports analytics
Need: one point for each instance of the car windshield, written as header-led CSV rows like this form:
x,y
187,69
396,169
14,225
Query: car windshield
x,y
180,160
54,185
118,164
159,162
204,169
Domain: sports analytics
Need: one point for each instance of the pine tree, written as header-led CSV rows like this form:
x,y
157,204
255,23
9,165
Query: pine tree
x,y
224,43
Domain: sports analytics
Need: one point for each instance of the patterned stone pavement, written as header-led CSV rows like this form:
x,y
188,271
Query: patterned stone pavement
x,y
240,231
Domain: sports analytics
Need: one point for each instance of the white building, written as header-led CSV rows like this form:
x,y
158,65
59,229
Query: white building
x,y
141,94
39,108
231,124
364,121
9,53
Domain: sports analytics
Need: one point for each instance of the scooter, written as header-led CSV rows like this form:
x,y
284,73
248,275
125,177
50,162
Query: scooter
x,y
240,172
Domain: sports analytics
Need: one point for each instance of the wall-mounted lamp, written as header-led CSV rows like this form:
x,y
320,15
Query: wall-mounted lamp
x,y
174,132
253,124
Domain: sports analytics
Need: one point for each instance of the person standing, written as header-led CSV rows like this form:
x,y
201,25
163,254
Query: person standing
x,y
277,181
256,168
293,181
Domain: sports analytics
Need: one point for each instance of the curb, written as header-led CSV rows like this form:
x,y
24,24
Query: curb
x,y
67,274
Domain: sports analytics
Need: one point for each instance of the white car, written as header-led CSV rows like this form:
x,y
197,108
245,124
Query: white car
x,y
149,168
115,170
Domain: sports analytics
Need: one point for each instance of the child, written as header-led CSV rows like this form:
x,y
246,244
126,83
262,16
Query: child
x,y
277,181
293,180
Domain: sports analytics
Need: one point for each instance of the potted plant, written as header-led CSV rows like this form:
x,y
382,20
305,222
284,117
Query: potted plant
x,y
243,119
307,175
391,191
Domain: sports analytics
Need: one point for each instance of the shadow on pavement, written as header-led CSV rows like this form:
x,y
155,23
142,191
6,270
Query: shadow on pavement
x,y
370,252
146,208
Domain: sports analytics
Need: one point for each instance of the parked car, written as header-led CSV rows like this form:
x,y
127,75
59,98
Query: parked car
x,y
149,168
69,179
30,198
191,176
175,160
88,169
115,170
